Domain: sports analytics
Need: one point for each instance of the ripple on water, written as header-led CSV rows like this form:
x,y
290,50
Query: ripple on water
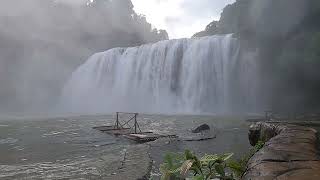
x,y
50,170
8,141
52,133
18,148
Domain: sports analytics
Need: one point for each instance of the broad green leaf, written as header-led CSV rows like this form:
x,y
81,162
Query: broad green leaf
x,y
220,170
199,177
207,158
186,167
189,155
174,171
226,156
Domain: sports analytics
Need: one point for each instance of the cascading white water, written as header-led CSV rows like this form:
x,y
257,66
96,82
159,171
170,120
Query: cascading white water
x,y
205,75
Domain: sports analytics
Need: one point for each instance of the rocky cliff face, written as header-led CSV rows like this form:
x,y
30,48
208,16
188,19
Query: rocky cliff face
x,y
289,153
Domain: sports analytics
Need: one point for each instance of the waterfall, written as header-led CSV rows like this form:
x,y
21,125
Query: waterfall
x,y
203,75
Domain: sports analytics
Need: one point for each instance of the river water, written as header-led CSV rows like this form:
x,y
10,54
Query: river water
x,y
68,147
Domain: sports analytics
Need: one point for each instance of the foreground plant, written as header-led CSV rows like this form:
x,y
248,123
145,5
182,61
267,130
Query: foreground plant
x,y
239,167
182,166
188,166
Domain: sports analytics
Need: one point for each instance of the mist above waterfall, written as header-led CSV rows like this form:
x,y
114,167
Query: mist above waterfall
x,y
205,75
43,41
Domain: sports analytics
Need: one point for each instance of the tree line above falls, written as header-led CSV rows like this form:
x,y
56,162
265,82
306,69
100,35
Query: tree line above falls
x,y
43,41
286,33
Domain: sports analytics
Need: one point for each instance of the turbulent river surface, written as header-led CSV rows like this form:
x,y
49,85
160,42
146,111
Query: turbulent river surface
x,y
63,148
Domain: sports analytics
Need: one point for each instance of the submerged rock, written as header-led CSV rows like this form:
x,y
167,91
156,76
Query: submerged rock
x,y
203,127
201,133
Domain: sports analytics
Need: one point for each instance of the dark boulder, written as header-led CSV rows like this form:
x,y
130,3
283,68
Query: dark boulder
x,y
254,134
203,127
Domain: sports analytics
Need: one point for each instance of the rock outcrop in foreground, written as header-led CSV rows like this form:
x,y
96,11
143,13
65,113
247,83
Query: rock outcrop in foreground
x,y
290,152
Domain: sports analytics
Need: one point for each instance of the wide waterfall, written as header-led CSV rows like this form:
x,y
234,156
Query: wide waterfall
x,y
203,75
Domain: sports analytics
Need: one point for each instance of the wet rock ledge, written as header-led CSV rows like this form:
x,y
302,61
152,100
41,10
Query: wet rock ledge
x,y
290,152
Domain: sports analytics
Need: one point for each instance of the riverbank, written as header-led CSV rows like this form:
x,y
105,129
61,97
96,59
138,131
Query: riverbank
x,y
290,152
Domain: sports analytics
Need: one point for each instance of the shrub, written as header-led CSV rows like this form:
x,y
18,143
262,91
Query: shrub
x,y
188,165
181,166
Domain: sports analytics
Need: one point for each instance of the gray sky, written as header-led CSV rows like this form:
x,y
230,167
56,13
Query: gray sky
x,y
181,18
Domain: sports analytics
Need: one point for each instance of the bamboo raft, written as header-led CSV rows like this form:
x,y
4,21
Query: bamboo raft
x,y
131,132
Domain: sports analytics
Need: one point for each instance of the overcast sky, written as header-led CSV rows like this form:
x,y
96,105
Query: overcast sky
x,y
181,18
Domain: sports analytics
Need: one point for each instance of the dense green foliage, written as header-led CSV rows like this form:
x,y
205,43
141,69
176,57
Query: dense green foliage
x,y
180,166
188,165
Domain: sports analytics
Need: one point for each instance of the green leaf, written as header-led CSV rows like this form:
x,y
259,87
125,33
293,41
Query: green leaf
x,y
237,168
220,170
198,177
186,167
208,158
189,155
226,156
174,171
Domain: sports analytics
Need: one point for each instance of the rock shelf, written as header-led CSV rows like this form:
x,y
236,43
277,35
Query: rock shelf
x,y
290,152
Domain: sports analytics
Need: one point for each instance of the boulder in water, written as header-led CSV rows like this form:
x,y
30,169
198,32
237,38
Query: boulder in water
x,y
203,127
